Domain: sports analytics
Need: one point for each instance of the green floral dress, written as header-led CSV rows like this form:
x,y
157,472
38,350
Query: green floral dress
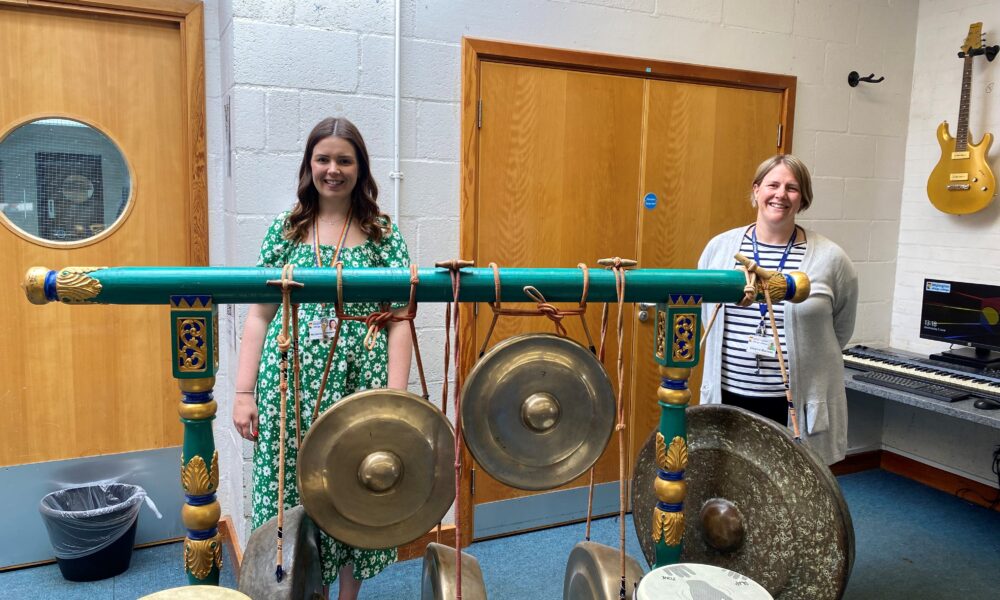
x,y
354,368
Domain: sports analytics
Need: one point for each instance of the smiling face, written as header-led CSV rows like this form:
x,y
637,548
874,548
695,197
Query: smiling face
x,y
334,166
778,197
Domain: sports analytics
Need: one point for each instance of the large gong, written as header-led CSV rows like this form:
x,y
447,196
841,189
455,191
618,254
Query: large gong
x,y
757,503
537,411
377,469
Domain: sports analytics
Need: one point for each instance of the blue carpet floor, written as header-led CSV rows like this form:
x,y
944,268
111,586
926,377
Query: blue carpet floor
x,y
913,543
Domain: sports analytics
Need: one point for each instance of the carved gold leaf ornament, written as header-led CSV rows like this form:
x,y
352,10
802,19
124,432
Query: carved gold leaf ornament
x,y
668,527
677,455
75,286
200,555
196,479
673,459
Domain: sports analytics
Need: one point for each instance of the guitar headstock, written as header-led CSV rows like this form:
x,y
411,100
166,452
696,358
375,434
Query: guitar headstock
x,y
973,41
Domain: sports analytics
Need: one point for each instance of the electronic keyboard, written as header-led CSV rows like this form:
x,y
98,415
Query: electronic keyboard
x,y
979,382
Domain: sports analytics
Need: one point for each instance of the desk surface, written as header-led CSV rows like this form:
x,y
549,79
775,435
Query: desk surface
x,y
962,409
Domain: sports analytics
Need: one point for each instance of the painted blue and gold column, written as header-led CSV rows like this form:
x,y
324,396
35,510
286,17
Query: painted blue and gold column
x,y
676,351
194,326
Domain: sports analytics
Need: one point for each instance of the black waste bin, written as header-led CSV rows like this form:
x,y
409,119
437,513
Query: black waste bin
x,y
92,528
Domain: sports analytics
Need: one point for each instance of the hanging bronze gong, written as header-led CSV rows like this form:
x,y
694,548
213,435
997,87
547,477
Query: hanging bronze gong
x,y
439,575
377,469
303,578
593,572
537,411
758,503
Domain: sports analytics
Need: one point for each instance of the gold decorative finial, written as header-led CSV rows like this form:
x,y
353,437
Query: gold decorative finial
x,y
34,285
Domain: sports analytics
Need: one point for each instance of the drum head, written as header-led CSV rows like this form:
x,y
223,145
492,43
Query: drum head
x,y
693,580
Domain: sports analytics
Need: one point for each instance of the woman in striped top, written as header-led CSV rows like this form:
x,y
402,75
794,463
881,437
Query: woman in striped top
x,y
741,365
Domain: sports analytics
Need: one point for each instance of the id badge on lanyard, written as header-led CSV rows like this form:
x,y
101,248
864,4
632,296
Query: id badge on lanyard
x,y
322,329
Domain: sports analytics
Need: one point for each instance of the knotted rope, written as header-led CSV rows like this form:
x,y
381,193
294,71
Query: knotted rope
x,y
451,318
285,342
542,308
376,322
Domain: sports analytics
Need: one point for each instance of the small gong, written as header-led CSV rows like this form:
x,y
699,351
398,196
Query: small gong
x,y
376,470
439,575
593,572
537,411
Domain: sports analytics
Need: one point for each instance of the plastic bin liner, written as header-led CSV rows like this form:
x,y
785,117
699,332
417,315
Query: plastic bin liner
x,y
83,520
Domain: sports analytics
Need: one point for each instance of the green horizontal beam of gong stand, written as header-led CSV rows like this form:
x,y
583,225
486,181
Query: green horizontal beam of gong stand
x,y
195,292
247,285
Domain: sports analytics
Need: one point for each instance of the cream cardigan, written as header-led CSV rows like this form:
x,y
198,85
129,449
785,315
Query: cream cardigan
x,y
816,331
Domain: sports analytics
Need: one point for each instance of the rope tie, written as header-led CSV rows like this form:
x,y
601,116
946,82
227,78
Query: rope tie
x,y
552,312
375,322
542,308
451,318
285,341
618,266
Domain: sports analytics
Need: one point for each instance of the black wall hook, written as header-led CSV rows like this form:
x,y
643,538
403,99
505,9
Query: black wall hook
x,y
853,78
989,51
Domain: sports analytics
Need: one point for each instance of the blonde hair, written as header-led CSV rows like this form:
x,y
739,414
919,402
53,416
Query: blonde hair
x,y
799,171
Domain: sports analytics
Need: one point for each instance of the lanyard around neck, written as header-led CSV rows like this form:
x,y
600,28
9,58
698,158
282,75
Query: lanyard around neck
x,y
781,263
340,245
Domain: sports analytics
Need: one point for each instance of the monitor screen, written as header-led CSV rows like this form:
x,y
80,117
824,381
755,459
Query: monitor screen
x,y
965,314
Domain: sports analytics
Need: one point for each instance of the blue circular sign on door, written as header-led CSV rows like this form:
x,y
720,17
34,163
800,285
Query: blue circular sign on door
x,y
649,200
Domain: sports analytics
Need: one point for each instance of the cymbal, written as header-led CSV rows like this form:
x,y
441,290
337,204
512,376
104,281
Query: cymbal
x,y
376,470
537,411
758,503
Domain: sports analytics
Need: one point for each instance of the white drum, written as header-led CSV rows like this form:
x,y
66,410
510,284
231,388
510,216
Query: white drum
x,y
693,581
197,592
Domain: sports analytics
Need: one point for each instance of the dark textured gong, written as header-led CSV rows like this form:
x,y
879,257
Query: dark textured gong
x,y
303,578
757,503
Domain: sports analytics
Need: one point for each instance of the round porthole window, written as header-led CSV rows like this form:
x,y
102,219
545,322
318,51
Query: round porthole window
x,y
63,182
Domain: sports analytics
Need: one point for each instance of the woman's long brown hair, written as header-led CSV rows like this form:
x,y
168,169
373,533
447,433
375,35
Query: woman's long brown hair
x,y
364,196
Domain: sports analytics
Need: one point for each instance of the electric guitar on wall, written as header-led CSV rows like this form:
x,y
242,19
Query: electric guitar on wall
x,y
962,182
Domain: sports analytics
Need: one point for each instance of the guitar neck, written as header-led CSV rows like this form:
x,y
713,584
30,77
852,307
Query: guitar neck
x,y
962,133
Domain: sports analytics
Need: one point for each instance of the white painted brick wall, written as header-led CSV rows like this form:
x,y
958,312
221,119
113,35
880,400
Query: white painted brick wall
x,y
932,243
287,63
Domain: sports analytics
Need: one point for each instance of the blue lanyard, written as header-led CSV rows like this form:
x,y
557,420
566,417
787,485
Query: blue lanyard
x,y
781,263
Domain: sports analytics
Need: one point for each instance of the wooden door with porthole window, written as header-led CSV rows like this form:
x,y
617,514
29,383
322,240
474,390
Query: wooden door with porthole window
x,y
562,148
80,81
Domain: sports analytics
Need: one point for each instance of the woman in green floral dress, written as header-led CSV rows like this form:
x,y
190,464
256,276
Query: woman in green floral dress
x,y
335,219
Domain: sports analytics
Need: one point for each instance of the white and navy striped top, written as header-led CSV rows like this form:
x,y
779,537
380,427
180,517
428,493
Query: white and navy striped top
x,y
740,368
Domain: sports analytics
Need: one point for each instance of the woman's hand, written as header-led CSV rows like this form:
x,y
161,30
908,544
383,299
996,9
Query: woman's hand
x,y
245,416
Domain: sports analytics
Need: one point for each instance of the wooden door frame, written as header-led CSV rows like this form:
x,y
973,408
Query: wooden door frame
x,y
475,51
189,15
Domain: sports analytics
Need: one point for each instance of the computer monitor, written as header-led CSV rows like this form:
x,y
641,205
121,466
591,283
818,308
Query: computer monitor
x,y
964,314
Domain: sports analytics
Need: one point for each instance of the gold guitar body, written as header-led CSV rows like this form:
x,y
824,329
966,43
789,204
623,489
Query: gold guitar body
x,y
962,182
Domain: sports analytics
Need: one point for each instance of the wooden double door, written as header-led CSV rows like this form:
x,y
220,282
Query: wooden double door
x,y
572,166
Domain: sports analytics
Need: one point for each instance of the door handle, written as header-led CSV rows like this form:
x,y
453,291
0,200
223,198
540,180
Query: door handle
x,y
644,310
